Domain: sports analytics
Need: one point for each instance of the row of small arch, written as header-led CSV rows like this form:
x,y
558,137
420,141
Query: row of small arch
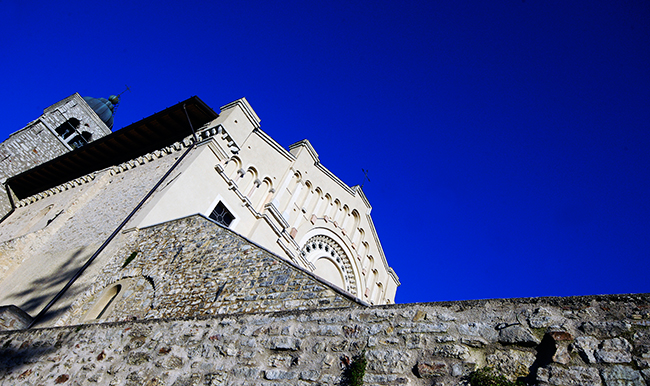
x,y
296,195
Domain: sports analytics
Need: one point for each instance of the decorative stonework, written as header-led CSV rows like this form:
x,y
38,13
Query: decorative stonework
x,y
323,246
125,166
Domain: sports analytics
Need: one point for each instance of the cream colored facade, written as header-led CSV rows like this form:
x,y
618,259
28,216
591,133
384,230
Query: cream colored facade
x,y
285,201
282,200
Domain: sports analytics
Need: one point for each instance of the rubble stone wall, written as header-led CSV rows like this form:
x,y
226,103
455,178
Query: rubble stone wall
x,y
194,267
592,340
50,235
27,148
24,150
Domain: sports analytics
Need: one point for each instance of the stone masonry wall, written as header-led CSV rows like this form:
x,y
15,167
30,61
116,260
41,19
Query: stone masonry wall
x,y
50,235
29,147
37,142
593,340
24,150
194,267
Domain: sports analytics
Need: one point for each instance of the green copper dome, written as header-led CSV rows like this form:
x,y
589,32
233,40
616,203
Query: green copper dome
x,y
104,108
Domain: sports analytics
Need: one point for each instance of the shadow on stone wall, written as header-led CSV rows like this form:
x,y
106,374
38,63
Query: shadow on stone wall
x,y
42,289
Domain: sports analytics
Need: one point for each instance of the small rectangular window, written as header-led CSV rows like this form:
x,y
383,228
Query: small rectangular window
x,y
222,215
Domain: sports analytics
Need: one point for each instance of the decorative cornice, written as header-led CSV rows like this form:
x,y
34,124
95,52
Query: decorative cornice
x,y
310,149
276,146
57,189
246,108
113,170
219,130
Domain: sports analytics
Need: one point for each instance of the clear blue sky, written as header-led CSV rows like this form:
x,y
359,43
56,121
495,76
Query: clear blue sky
x,y
507,142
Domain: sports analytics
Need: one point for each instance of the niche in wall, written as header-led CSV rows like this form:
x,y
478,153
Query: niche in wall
x,y
126,299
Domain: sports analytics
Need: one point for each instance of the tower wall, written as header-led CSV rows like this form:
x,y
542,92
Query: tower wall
x,y
54,133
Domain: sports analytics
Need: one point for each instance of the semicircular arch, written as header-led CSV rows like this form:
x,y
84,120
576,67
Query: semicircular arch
x,y
321,243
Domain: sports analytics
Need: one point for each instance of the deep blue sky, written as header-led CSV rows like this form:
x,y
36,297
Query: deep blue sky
x,y
507,142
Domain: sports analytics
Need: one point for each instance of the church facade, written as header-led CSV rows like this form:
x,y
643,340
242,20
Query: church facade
x,y
190,248
184,213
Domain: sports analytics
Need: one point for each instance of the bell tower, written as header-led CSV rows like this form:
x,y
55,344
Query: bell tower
x,y
66,125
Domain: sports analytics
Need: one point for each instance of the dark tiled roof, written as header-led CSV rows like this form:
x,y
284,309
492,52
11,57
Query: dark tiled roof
x,y
149,134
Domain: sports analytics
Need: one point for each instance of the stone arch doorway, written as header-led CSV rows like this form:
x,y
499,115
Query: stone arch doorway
x,y
330,262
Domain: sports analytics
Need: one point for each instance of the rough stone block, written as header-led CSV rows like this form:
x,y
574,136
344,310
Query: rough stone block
x,y
617,350
572,376
284,343
512,363
451,351
279,374
518,334
432,369
622,376
586,346
389,361
540,318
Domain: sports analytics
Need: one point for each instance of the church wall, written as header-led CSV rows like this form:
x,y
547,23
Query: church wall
x,y
192,188
276,197
39,255
50,235
592,340
198,186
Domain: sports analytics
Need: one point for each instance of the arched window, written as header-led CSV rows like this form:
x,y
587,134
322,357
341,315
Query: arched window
x,y
247,181
231,167
355,231
378,292
104,302
261,194
130,297
315,202
67,128
87,135
329,205
288,196
337,216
